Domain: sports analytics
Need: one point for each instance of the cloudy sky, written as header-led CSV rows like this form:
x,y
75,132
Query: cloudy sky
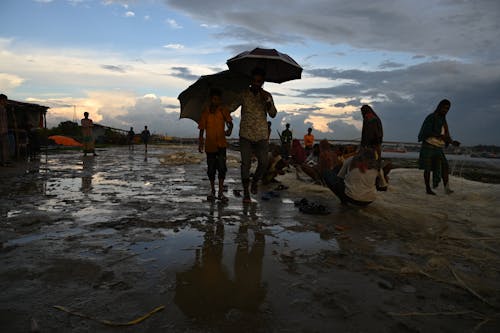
x,y
126,62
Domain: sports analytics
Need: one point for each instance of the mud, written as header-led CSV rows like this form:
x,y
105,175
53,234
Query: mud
x,y
115,236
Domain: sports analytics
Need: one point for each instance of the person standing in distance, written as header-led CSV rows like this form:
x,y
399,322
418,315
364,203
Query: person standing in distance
x,y
88,139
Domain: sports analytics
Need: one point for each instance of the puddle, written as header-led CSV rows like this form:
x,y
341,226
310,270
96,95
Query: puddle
x,y
306,242
14,213
192,199
54,235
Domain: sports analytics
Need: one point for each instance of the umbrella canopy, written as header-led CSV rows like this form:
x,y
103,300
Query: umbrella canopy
x,y
65,141
279,67
194,99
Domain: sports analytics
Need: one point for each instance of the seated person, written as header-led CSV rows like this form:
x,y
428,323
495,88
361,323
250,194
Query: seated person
x,y
313,158
355,182
275,165
298,153
299,159
328,159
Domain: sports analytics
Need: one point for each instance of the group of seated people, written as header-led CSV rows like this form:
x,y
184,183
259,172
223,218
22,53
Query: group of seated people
x,y
353,175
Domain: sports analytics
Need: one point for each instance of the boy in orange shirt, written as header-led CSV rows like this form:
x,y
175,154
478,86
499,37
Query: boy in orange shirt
x,y
308,141
213,121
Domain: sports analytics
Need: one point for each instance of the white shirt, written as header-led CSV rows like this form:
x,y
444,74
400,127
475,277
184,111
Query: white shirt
x,y
358,185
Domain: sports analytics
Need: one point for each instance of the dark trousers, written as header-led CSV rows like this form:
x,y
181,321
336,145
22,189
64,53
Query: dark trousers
x,y
216,162
260,149
337,185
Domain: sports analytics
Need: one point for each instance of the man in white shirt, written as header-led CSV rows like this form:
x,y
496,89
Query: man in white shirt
x,y
355,182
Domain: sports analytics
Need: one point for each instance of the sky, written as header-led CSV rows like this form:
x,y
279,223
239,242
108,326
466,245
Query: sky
x,y
125,62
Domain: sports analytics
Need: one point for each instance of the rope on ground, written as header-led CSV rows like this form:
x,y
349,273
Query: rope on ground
x,y
425,314
476,315
466,287
412,270
472,238
108,322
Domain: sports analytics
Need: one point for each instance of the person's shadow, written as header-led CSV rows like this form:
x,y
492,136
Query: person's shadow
x,y
203,290
87,174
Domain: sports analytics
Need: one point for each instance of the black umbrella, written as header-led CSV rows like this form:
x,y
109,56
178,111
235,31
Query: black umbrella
x,y
279,67
194,99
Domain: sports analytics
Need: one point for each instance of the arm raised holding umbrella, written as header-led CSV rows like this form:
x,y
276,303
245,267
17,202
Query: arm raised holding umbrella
x,y
256,104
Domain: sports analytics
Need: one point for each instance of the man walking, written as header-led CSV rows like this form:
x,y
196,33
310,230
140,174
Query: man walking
x,y
256,104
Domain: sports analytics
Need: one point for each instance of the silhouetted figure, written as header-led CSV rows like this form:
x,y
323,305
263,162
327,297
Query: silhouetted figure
x,y
4,132
145,136
269,131
88,139
286,141
130,138
309,141
372,133
213,121
256,104
434,135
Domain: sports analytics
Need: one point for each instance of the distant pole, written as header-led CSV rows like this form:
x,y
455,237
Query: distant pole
x,y
74,114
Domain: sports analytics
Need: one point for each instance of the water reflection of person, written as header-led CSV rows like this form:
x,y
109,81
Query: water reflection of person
x,y
249,291
87,174
204,291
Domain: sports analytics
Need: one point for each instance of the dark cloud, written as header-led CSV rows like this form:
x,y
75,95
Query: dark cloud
x,y
113,68
439,27
150,111
390,64
403,97
183,73
251,37
309,109
344,131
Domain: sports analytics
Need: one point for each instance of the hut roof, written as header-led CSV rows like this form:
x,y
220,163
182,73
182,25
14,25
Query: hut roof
x,y
29,107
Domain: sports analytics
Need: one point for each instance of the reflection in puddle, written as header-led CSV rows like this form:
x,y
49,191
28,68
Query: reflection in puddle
x,y
307,242
207,291
193,199
14,213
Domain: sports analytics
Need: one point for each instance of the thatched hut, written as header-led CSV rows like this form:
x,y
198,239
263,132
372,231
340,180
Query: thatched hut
x,y
23,118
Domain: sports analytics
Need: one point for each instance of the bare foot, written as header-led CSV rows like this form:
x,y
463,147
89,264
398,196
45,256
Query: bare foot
x,y
222,197
429,191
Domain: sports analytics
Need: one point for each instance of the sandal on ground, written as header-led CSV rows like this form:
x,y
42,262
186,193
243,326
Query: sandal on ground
x,y
314,209
266,196
281,187
269,195
301,202
211,196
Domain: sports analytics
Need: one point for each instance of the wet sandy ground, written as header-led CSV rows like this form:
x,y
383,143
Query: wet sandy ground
x,y
115,236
